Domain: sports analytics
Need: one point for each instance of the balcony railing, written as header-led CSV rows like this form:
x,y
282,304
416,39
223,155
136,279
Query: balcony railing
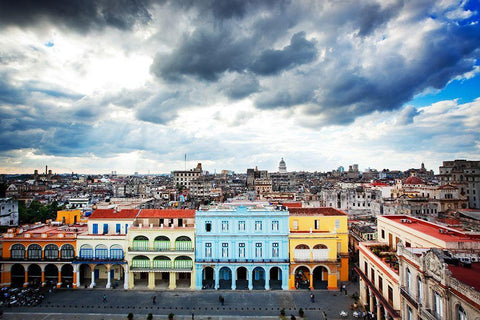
x,y
149,249
311,255
224,260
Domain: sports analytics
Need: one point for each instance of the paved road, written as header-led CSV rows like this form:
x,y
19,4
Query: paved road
x,y
246,305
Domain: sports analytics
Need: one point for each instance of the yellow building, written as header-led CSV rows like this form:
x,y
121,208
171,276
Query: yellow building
x,y
318,245
69,216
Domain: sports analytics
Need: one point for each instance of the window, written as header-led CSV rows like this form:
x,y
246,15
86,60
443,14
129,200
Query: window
x,y
409,313
295,224
241,225
208,250
86,252
437,305
317,224
224,250
258,250
258,225
408,280
67,251
275,252
126,228
34,252
208,226
461,314
383,234
241,250
337,223
51,252
95,228
224,225
118,228
105,228
380,284
419,289
366,268
18,251
390,295
101,252
372,275
275,225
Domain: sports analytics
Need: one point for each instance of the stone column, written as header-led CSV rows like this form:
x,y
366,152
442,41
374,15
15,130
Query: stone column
x,y
59,282
43,277
192,279
234,279
92,284
267,279
76,275
310,278
129,281
379,309
26,278
173,280
151,280
250,278
109,277
371,301
216,271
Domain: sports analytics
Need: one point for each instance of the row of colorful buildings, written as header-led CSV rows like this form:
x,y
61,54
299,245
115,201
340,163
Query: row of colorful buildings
x,y
237,247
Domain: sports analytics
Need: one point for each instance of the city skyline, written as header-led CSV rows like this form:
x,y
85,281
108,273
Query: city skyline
x,y
95,87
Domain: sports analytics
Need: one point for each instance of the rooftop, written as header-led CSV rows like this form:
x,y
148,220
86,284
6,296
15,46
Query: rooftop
x,y
434,230
167,213
112,214
469,276
324,211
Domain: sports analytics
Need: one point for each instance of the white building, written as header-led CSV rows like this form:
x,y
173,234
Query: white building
x,y
8,212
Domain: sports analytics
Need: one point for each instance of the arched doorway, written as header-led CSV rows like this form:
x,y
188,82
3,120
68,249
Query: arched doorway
x,y
162,279
208,281
67,276
85,275
161,243
18,276
34,275
183,243
242,282
302,278
183,265
51,275
140,262
258,278
225,278
276,278
320,278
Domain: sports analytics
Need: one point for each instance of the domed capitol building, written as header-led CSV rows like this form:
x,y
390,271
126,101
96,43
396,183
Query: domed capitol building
x,y
282,166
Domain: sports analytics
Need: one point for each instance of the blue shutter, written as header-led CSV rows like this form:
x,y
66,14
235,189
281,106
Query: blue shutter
x,y
105,228
118,228
95,228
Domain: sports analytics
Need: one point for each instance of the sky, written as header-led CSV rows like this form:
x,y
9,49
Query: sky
x,y
134,86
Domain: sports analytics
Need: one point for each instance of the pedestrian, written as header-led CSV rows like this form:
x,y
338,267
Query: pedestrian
x,y
154,299
193,316
104,298
312,297
223,301
292,317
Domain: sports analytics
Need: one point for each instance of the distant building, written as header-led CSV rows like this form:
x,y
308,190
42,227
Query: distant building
x,y
465,175
253,174
282,166
185,177
8,212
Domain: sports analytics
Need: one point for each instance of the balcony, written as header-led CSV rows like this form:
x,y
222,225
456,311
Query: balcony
x,y
311,255
171,250
408,296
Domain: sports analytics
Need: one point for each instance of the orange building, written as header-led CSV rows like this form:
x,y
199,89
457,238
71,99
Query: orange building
x,y
39,256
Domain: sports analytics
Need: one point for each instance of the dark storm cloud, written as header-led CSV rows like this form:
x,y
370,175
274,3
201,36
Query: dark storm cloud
x,y
160,108
300,51
206,54
241,86
78,15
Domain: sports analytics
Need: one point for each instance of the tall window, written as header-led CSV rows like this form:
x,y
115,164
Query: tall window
x,y
380,284
275,252
317,224
295,224
409,313
224,225
208,226
365,264
390,295
224,250
408,280
241,250
241,225
419,289
258,250
105,228
208,250
258,225
51,252
337,223
117,228
437,305
34,252
275,225
461,314
372,278
18,251
67,251
95,228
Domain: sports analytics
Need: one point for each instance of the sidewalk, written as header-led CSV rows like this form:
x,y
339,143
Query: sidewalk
x,y
79,316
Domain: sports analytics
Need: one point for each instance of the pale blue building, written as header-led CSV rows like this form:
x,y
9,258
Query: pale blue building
x,y
242,248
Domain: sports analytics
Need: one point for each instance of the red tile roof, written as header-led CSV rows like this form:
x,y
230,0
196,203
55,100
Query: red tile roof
x,y
292,204
469,276
112,214
167,213
421,226
324,211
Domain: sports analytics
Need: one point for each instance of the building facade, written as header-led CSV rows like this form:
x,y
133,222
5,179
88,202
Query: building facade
x,y
464,175
318,245
242,248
